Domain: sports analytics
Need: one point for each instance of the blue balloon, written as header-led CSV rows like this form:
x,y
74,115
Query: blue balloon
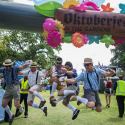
x,y
122,7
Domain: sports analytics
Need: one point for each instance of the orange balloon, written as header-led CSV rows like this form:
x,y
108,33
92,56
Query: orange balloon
x,y
77,39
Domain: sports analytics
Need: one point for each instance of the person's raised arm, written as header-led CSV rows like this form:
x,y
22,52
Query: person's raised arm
x,y
66,71
23,66
109,74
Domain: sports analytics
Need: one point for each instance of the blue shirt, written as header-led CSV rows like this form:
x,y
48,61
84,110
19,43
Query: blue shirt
x,y
93,78
8,74
72,76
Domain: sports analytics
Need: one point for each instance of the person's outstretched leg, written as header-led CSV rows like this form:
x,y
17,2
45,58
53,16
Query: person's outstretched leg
x,y
35,93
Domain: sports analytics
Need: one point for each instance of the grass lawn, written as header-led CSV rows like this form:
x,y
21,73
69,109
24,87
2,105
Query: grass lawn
x,y
61,115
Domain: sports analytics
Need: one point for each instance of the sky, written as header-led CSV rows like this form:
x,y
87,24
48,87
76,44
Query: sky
x,y
98,52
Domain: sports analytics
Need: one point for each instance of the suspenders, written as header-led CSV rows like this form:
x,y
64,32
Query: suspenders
x,y
36,75
12,76
89,80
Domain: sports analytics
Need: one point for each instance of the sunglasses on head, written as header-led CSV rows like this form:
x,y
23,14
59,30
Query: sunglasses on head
x,y
8,66
87,64
58,62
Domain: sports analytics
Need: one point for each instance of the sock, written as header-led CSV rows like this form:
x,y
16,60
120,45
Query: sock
x,y
83,100
38,95
54,86
20,109
66,92
7,109
94,108
60,98
71,107
34,105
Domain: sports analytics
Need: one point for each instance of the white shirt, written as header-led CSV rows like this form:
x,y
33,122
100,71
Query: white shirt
x,y
32,77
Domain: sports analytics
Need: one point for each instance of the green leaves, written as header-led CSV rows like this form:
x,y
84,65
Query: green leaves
x,y
48,8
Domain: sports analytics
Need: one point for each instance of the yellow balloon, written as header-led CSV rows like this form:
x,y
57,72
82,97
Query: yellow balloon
x,y
67,3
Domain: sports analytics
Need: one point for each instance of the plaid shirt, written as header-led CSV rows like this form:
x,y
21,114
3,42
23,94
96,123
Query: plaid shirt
x,y
95,83
8,74
72,76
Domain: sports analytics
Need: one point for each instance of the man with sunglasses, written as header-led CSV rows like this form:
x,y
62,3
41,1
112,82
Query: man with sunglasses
x,y
56,72
12,87
92,84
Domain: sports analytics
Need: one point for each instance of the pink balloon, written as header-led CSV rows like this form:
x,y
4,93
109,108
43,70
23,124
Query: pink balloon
x,y
85,5
54,39
119,41
85,39
49,24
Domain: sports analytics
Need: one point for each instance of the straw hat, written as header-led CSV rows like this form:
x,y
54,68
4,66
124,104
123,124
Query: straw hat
x,y
7,62
87,60
34,64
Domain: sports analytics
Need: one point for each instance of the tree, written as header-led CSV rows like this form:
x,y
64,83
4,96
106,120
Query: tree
x,y
22,46
119,56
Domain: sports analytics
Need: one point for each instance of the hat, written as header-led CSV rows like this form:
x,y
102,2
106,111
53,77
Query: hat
x,y
7,62
87,60
33,64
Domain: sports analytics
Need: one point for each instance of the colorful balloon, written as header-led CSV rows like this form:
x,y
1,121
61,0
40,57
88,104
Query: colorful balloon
x,y
107,39
107,8
77,40
54,39
49,24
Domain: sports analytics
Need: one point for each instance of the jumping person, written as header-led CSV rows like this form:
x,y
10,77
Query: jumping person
x,y
34,81
12,89
92,83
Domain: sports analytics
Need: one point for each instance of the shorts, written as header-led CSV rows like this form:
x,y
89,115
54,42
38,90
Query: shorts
x,y
59,86
108,91
67,98
45,85
31,96
12,91
92,96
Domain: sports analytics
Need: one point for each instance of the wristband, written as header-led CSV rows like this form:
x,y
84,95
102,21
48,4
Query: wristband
x,y
65,80
67,71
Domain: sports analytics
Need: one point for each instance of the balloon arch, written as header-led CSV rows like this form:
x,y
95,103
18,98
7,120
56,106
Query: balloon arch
x,y
70,22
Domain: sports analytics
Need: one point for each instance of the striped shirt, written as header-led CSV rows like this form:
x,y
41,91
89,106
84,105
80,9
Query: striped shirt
x,y
8,74
93,78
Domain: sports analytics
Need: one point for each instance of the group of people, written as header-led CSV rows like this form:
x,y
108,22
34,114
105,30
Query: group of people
x,y
60,75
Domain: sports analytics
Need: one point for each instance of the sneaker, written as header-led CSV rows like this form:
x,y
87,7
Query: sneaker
x,y
42,103
11,120
45,111
52,99
26,116
19,113
53,104
75,114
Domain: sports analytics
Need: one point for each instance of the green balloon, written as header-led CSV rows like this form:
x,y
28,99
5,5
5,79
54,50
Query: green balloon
x,y
49,13
48,8
67,39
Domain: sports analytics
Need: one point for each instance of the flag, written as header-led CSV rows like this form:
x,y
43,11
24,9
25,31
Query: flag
x,y
99,65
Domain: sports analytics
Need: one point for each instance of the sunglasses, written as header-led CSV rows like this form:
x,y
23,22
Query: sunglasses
x,y
87,64
8,66
58,62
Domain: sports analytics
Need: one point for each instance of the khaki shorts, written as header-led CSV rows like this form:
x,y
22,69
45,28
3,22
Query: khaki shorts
x,y
92,96
31,96
67,98
59,86
12,91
